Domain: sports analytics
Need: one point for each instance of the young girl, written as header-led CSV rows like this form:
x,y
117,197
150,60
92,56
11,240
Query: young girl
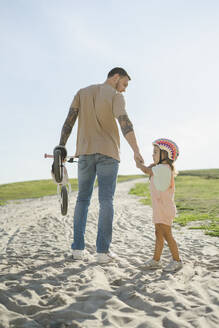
x,y
161,174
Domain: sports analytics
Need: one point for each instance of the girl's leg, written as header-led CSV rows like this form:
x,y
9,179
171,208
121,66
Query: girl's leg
x,y
159,243
167,233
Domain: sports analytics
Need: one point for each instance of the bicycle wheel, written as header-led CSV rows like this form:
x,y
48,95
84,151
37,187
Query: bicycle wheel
x,y
58,169
64,203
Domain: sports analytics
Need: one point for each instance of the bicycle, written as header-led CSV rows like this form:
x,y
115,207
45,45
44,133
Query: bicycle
x,y
60,175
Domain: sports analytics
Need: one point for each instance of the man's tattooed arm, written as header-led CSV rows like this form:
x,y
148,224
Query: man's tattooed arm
x,y
68,125
129,134
125,124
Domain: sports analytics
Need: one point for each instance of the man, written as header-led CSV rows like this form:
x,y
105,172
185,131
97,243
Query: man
x,y
97,107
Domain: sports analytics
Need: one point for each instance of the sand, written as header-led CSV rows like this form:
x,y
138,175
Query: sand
x,y
42,286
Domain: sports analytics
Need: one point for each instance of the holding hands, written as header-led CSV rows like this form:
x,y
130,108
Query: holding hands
x,y
145,169
138,158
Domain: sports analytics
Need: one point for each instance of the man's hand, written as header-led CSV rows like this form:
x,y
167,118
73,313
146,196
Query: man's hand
x,y
63,151
138,158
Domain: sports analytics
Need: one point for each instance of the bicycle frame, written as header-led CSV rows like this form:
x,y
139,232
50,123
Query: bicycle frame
x,y
63,185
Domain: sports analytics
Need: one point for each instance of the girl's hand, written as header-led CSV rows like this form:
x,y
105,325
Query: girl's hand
x,y
145,169
140,166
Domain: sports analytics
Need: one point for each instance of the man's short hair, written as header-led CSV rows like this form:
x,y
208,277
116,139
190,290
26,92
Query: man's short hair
x,y
118,70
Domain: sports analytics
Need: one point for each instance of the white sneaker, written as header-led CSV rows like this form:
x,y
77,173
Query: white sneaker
x,y
78,254
152,264
106,257
173,266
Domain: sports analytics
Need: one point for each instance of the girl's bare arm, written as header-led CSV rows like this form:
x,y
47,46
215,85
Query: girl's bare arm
x,y
145,169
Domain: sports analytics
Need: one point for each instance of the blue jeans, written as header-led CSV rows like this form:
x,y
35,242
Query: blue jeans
x,y
106,170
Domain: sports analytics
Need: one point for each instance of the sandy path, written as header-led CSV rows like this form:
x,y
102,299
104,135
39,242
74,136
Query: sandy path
x,y
41,286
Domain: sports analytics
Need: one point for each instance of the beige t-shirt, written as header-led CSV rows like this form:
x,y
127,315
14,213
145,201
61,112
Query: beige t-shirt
x,y
99,106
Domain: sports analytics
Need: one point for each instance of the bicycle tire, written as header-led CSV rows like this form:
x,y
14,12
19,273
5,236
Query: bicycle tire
x,y
58,169
64,198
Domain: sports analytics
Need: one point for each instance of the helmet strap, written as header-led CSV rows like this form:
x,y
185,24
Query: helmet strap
x,y
160,160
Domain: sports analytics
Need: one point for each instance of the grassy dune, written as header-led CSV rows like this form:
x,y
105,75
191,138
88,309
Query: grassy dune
x,y
196,197
36,189
30,189
207,173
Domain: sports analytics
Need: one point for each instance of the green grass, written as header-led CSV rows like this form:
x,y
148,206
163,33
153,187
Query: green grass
x,y
196,197
30,189
207,173
40,188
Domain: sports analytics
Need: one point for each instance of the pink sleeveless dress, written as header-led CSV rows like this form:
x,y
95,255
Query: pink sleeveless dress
x,y
162,188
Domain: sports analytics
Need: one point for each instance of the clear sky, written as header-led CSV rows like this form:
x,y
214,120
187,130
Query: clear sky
x,y
52,48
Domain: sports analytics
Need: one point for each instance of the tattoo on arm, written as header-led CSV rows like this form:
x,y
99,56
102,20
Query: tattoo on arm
x,y
125,124
68,125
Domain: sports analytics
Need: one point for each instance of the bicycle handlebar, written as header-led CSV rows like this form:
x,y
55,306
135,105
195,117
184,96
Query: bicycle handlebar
x,y
70,158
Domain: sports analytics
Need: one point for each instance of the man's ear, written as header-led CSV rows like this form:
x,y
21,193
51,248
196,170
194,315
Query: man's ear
x,y
116,77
